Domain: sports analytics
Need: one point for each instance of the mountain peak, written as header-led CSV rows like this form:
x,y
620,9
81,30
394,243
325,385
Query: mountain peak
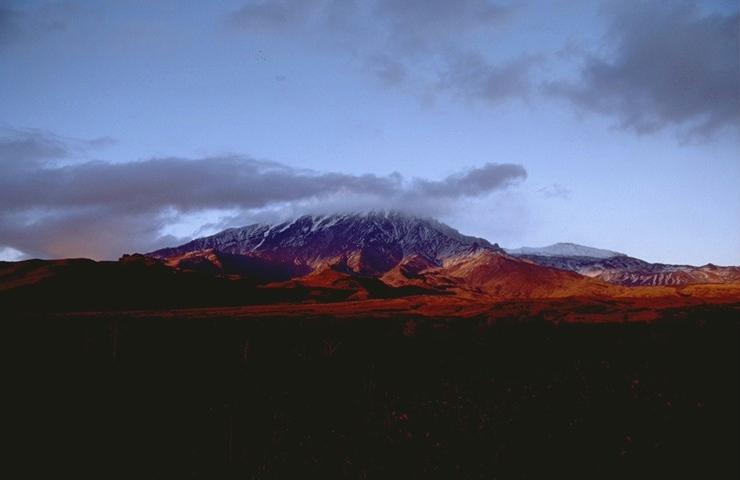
x,y
370,242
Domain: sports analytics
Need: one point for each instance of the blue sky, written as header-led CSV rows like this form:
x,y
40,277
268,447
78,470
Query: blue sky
x,y
621,118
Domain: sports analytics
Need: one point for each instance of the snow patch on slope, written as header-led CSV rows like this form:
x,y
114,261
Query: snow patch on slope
x,y
564,250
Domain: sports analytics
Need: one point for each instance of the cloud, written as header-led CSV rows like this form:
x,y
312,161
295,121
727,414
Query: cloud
x,y
10,255
668,65
410,25
19,22
473,183
472,77
417,25
27,148
415,44
91,232
389,71
661,66
555,190
269,14
9,23
23,148
99,209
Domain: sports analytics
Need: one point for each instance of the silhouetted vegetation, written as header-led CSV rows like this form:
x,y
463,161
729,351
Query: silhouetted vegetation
x,y
115,396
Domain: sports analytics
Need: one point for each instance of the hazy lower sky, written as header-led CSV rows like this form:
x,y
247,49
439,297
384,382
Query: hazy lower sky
x,y
130,125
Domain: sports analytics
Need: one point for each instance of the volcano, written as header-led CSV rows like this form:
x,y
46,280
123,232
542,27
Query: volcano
x,y
395,249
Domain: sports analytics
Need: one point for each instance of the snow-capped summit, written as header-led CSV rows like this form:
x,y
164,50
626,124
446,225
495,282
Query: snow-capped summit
x,y
564,250
371,241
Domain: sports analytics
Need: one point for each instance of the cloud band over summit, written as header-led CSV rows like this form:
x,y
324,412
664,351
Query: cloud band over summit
x,y
53,209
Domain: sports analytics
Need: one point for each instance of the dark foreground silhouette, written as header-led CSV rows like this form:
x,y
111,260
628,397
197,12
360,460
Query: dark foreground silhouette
x,y
113,396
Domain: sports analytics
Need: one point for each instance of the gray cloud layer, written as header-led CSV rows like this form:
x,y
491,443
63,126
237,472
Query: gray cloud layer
x,y
21,22
264,14
397,40
473,183
100,209
472,77
670,66
410,26
662,64
8,23
417,25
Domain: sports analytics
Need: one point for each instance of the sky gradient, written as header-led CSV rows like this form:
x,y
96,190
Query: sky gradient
x,y
128,126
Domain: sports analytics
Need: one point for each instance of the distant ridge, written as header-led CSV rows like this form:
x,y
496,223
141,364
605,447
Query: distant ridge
x,y
620,269
565,250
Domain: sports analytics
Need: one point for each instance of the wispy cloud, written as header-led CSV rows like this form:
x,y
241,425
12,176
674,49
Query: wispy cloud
x,y
472,77
555,190
422,43
20,22
9,23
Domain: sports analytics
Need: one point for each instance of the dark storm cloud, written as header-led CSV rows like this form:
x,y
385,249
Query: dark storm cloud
x,y
100,209
669,65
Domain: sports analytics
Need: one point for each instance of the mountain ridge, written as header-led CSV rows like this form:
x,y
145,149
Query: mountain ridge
x,y
563,249
403,248
371,242
377,258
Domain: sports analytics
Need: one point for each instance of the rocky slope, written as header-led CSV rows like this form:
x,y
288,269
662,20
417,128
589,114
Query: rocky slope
x,y
410,253
366,243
